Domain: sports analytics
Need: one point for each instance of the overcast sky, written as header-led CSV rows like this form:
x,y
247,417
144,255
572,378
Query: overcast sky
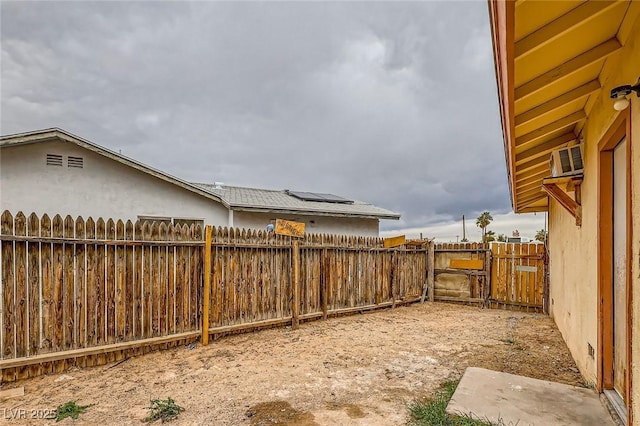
x,y
391,103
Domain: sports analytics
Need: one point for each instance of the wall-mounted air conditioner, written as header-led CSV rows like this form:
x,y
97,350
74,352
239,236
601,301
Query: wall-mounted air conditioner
x,y
566,161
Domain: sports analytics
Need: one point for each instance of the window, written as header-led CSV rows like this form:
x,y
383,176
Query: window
x,y
54,160
159,219
173,220
189,222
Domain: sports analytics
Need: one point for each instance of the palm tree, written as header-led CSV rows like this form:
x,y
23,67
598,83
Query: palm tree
x,y
501,238
489,236
483,221
541,235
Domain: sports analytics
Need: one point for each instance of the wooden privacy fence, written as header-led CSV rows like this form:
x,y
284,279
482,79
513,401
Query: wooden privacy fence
x,y
496,275
79,292
462,272
84,292
259,279
519,276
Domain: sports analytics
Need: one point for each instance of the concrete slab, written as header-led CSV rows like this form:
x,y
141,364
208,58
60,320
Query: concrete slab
x,y
516,400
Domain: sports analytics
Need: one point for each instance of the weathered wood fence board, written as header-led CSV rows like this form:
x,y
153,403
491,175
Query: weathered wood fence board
x,y
518,276
513,275
252,276
457,275
70,285
79,292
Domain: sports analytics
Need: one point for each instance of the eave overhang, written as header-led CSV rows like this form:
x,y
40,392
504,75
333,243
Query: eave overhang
x,y
551,59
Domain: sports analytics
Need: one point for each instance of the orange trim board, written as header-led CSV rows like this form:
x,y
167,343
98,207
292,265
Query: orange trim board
x,y
466,264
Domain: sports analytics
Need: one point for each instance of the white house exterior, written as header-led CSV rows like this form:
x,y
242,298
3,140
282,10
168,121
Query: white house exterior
x,y
255,208
54,172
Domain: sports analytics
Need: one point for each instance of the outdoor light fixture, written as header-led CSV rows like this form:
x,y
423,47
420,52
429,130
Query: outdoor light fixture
x,y
620,94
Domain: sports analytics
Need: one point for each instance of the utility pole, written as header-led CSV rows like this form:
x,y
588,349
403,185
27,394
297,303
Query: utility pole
x,y
464,230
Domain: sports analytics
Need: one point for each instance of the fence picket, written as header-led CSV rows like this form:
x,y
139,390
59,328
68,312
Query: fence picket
x,y
100,291
129,282
33,251
163,282
154,283
8,312
21,290
138,283
110,284
80,315
120,287
46,326
91,298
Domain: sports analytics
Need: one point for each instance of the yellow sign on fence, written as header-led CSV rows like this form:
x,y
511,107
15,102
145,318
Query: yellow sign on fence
x,y
466,264
395,241
290,228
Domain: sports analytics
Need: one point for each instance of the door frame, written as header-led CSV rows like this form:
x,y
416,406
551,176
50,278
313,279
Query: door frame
x,y
619,129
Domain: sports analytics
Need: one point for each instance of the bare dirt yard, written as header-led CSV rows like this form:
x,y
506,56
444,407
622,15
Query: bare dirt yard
x,y
355,370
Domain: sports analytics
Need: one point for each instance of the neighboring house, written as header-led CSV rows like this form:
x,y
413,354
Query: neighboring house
x,y
556,65
52,171
322,213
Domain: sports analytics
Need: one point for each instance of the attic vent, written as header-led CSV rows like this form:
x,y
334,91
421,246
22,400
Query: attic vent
x,y
54,160
75,162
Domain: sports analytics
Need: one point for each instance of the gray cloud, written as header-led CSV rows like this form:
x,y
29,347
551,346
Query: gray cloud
x,y
393,103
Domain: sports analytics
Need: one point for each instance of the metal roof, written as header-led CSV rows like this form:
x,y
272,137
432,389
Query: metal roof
x,y
267,200
552,64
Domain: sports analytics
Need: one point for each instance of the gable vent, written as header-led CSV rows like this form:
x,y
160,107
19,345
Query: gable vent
x,y
75,162
54,160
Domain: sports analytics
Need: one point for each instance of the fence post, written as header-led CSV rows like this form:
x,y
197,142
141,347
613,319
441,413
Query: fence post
x,y
295,283
393,278
431,265
207,286
425,287
488,276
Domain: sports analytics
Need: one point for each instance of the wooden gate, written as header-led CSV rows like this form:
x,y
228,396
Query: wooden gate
x,y
519,276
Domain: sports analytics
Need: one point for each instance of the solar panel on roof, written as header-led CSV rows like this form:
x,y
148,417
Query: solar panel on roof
x,y
306,196
333,198
319,197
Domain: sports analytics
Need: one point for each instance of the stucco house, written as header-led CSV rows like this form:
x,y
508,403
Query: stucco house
x,y
568,75
52,171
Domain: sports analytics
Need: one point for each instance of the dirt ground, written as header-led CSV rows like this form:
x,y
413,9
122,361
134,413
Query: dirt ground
x,y
356,370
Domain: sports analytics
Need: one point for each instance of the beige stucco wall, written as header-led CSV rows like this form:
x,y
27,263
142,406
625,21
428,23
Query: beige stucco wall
x,y
314,224
573,280
102,188
573,250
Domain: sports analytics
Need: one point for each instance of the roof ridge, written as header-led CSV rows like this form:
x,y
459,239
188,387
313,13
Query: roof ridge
x,y
225,186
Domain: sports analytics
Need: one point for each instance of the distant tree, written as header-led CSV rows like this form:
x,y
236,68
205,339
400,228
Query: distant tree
x,y
483,221
541,235
501,238
464,240
515,234
489,236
